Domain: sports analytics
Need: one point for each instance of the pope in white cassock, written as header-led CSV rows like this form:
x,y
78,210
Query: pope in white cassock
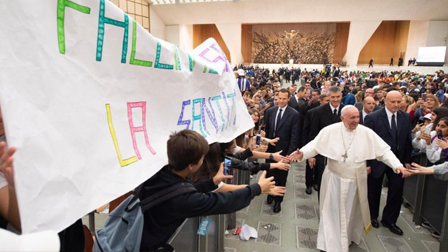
x,y
344,208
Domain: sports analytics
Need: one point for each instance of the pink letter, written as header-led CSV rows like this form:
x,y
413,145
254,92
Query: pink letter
x,y
134,129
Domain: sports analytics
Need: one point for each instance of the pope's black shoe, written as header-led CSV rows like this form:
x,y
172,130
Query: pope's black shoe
x,y
309,190
270,199
393,228
316,187
277,207
375,223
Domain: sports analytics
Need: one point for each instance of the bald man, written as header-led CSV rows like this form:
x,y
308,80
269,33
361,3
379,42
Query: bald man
x,y
368,105
368,93
394,127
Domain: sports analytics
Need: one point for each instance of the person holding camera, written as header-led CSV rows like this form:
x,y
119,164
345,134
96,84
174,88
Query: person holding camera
x,y
436,142
421,132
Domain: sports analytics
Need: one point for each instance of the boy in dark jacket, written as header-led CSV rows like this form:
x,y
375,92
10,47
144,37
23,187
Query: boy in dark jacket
x,y
186,150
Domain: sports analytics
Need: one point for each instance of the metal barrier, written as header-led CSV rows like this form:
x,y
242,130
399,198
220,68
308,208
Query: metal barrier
x,y
429,199
239,178
186,240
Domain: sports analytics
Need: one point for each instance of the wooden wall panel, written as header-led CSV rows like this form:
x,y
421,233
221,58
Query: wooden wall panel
x,y
401,40
246,43
389,39
340,47
202,32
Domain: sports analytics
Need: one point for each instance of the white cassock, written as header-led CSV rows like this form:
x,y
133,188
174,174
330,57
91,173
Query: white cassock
x,y
344,208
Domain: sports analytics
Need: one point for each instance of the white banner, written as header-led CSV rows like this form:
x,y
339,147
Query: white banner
x,y
90,98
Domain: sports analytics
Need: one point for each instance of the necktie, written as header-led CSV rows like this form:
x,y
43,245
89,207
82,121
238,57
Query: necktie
x,y
279,117
393,127
335,112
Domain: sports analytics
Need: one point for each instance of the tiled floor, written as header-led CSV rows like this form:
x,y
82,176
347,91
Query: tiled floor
x,y
295,227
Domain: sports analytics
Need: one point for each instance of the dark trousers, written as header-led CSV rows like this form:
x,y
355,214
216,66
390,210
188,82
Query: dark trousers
x,y
394,195
280,177
311,175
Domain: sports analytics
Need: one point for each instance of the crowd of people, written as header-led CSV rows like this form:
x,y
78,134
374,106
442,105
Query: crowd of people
x,y
406,117
352,128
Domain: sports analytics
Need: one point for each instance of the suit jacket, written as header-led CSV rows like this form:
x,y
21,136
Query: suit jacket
x,y
361,120
301,107
324,117
379,123
287,130
307,125
298,106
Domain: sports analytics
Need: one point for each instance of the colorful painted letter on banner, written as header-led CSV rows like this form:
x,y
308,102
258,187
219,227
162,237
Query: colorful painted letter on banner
x,y
89,98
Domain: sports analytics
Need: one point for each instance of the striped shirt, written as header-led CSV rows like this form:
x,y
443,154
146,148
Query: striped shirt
x,y
243,84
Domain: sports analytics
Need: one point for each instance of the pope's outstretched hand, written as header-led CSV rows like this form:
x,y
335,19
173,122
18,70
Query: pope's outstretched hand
x,y
403,171
296,155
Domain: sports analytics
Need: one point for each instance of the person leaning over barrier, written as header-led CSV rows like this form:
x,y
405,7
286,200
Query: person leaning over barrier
x,y
186,150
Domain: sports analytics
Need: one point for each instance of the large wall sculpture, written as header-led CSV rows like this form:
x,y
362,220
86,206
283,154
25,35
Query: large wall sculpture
x,y
305,43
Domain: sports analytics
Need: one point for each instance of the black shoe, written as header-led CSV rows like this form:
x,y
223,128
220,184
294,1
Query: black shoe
x,y
407,205
375,223
270,199
316,188
436,234
426,224
309,190
393,228
277,207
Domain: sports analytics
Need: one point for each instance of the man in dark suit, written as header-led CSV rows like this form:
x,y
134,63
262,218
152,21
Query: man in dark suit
x,y
282,121
287,75
311,174
394,127
368,106
368,93
314,102
299,103
325,115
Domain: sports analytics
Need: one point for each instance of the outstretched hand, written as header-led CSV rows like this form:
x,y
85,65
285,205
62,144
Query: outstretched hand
x,y
281,166
296,155
261,148
219,177
7,163
266,184
277,157
403,171
418,169
273,141
277,191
